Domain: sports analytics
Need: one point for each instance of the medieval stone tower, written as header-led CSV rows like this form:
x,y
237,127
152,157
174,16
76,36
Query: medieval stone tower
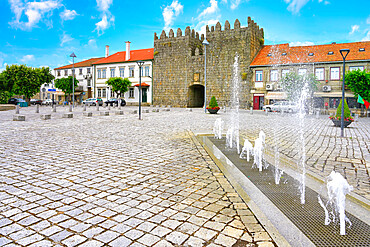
x,y
178,71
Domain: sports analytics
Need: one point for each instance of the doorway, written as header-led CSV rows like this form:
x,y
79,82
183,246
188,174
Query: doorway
x,y
196,96
258,101
144,95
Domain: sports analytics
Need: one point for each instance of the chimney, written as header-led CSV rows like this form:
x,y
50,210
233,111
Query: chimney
x,y
106,50
128,50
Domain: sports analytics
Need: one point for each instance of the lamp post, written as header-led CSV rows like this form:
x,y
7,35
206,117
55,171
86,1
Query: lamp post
x,y
344,53
205,43
73,77
140,64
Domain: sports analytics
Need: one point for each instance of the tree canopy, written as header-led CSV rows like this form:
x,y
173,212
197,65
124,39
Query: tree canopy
x,y
23,80
66,84
359,83
293,84
119,85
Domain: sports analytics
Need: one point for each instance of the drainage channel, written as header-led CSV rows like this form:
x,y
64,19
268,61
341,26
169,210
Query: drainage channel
x,y
308,218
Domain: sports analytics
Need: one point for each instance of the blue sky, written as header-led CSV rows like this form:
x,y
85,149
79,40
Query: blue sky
x,y
44,33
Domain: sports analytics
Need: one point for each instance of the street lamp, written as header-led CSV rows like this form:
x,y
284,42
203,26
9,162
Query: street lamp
x,y
205,43
73,77
140,64
344,53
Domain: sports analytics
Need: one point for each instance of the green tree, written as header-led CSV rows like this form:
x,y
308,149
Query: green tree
x,y
359,83
293,84
66,85
23,80
213,102
119,85
347,112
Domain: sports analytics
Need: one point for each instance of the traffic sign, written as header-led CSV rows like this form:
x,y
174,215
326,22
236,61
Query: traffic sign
x,y
52,90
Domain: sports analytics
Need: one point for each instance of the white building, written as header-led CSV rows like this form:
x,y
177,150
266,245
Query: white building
x,y
84,73
124,64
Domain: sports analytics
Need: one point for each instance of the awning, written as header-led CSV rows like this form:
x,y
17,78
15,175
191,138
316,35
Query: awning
x,y
142,84
333,94
276,95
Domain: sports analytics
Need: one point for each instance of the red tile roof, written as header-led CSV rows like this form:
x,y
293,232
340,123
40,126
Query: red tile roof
x,y
135,55
300,54
85,63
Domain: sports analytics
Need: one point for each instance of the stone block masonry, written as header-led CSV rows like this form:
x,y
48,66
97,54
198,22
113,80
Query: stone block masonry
x,y
178,74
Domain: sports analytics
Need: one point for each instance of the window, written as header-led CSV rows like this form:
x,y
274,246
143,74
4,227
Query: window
x,y
112,72
310,54
99,92
99,73
142,71
66,72
302,71
122,72
146,70
104,73
352,68
330,53
274,75
334,73
80,71
104,93
258,75
132,74
58,72
131,93
319,73
284,72
88,70
283,54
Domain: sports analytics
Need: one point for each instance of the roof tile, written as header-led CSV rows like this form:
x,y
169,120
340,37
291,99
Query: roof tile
x,y
85,63
135,55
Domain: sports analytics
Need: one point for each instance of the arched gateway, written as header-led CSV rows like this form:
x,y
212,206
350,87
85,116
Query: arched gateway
x,y
196,96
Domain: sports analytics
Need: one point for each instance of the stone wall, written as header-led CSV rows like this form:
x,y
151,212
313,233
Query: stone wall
x,y
179,62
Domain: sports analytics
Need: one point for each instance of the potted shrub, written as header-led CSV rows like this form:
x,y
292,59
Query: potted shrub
x,y
347,115
213,106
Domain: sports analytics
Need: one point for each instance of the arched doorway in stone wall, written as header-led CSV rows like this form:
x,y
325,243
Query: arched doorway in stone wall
x,y
196,96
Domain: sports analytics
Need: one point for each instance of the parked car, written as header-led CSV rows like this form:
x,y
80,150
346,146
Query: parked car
x,y
273,106
18,101
93,101
35,101
49,102
114,101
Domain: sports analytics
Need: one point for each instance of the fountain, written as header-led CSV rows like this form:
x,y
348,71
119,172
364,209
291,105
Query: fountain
x,y
217,128
337,187
232,137
258,153
247,150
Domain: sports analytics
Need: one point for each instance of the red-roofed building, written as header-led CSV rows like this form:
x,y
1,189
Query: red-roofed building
x,y
324,61
83,73
124,64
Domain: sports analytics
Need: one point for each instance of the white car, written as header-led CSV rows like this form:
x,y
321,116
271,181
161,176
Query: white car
x,y
272,107
49,102
284,106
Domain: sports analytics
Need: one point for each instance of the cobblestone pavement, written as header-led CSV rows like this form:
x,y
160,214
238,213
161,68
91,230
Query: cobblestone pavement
x,y
117,181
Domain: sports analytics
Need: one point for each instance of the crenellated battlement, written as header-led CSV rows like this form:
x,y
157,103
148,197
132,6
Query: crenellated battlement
x,y
188,33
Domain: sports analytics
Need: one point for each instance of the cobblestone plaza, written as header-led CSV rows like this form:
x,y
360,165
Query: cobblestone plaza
x,y
118,181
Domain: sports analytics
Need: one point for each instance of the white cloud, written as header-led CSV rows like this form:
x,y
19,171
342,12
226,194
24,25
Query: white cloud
x,y
27,58
354,29
201,26
367,37
299,43
235,4
107,18
295,5
68,14
368,21
35,12
170,12
92,44
210,10
65,39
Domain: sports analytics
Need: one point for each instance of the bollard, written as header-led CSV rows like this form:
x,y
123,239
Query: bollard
x,y
251,111
17,109
356,117
108,107
119,112
87,114
84,108
37,108
68,115
45,116
97,107
266,112
104,113
54,108
19,118
134,112
70,108
317,113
